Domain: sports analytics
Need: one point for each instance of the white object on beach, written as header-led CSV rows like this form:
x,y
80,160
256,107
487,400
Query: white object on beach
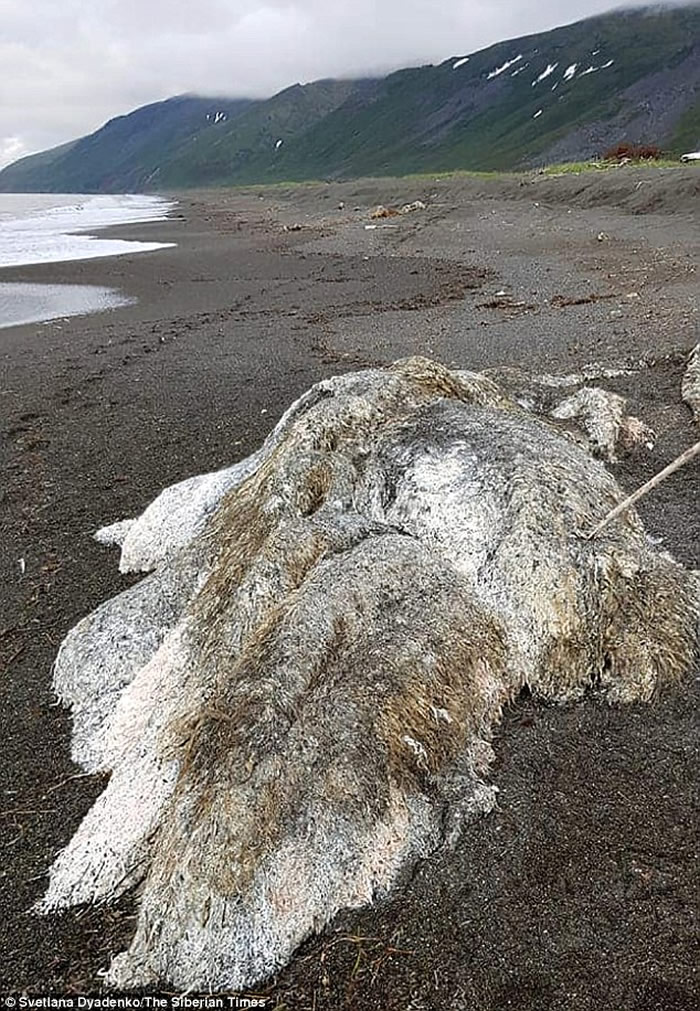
x,y
181,510
298,703
416,205
602,415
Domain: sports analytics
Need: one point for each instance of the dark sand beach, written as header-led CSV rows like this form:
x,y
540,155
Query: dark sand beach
x,y
581,891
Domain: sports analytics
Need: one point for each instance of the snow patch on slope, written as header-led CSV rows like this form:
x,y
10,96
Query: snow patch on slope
x,y
594,70
550,68
505,66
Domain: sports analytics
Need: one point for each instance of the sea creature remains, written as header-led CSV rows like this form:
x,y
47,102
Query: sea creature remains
x,y
690,387
298,702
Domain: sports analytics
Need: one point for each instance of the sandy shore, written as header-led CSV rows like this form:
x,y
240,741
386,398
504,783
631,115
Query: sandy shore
x,y
580,891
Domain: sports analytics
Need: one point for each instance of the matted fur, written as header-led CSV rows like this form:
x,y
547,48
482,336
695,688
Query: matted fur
x,y
299,701
599,417
690,389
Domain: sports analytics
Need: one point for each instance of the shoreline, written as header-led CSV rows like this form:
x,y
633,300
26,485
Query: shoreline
x,y
589,857
33,302
39,304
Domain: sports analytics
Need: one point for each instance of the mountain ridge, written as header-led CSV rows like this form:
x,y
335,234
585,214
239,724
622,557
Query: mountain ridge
x,y
631,75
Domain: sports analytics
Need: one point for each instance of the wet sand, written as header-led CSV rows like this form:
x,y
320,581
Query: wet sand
x,y
581,890
36,303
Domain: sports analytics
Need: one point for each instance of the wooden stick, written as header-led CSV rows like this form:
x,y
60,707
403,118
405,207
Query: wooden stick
x,y
640,492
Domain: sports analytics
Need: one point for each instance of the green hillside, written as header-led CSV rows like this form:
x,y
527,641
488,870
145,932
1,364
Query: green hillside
x,y
567,94
443,118
127,152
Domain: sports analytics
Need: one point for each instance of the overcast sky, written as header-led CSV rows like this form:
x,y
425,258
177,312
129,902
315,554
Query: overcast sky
x,y
66,66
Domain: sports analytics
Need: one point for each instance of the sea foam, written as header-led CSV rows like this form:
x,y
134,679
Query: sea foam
x,y
49,228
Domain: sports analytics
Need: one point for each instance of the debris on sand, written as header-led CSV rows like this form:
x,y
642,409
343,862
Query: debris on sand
x,y
507,304
563,301
384,212
298,702
690,389
599,417
688,455
417,205
602,417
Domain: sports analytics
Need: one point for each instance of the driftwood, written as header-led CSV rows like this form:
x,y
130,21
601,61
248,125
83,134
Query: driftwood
x,y
298,702
654,482
690,392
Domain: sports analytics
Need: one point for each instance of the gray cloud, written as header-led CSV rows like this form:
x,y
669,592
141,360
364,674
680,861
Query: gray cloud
x,y
66,67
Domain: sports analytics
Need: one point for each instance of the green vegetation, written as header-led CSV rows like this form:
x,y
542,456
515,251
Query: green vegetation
x,y
575,168
631,67
591,167
579,167
687,134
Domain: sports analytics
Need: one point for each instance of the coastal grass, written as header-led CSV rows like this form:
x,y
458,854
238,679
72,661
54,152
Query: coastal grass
x,y
556,169
593,165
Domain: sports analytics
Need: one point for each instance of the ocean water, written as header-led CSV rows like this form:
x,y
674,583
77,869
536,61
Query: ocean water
x,y
49,228
37,303
52,228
